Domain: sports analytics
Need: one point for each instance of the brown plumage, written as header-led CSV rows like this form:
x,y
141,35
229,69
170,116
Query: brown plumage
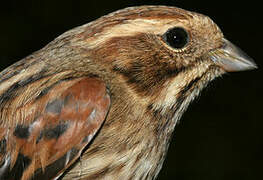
x,y
102,100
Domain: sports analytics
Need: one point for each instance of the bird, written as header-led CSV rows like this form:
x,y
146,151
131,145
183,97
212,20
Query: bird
x,y
101,101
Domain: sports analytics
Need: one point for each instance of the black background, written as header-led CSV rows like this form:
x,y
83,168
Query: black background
x,y
220,136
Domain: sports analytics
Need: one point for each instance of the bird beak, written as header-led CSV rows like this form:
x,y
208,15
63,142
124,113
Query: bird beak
x,y
231,58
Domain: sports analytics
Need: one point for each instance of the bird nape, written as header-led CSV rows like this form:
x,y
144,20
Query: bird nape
x,y
102,100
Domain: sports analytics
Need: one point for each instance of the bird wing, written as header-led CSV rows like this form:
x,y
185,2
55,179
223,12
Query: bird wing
x,y
51,130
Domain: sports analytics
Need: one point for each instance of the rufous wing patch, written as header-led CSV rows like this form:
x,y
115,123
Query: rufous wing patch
x,y
66,119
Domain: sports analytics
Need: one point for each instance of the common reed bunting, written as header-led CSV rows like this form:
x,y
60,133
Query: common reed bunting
x,y
101,101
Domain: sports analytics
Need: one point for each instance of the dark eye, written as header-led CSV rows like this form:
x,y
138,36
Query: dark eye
x,y
176,37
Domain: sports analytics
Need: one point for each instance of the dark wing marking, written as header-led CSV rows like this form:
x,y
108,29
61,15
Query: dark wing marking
x,y
66,118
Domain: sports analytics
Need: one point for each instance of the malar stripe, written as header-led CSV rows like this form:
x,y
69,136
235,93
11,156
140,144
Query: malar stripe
x,y
179,101
181,97
195,81
183,94
190,85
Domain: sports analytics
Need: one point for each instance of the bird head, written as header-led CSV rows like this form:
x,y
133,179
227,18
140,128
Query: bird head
x,y
129,75
165,55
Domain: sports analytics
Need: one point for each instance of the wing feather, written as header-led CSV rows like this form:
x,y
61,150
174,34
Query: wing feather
x,y
52,130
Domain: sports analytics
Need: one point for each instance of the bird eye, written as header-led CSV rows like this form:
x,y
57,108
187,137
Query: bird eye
x,y
176,37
